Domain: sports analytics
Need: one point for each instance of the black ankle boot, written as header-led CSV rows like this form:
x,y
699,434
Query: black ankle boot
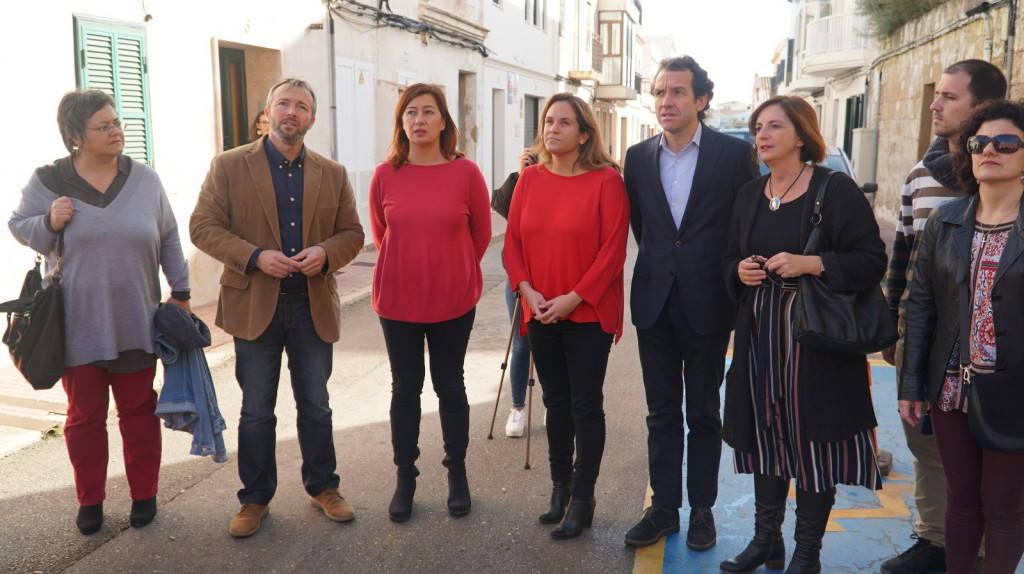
x,y
559,500
579,515
812,510
143,512
400,508
90,518
459,502
767,547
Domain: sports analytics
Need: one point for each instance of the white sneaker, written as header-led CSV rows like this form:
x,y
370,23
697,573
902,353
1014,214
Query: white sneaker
x,y
516,425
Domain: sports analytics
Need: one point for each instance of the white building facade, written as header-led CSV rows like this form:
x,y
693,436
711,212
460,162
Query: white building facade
x,y
191,76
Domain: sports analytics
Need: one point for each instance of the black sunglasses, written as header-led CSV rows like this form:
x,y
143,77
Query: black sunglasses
x,y
1003,143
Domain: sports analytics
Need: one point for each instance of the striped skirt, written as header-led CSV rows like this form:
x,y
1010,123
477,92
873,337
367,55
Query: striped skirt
x,y
775,381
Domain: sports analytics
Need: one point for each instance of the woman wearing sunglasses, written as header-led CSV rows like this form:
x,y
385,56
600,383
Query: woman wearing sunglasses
x,y
793,413
969,264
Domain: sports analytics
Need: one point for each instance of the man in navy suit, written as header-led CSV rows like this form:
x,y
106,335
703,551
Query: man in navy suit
x,y
681,185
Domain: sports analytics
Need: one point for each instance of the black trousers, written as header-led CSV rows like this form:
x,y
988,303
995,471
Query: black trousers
x,y
571,360
447,342
677,361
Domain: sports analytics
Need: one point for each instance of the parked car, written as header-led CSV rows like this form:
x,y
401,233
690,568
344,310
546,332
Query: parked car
x,y
835,159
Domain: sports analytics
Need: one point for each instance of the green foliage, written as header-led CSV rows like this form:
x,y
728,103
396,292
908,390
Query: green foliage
x,y
886,16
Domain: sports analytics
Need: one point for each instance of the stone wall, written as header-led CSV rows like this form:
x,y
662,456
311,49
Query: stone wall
x,y
911,62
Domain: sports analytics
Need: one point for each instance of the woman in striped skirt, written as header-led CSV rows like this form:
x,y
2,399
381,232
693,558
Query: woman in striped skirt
x,y
792,412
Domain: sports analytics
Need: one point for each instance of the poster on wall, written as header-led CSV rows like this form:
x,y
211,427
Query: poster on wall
x,y
511,88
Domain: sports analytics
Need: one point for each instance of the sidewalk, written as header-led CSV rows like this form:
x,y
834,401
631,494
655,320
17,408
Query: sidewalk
x,y
26,415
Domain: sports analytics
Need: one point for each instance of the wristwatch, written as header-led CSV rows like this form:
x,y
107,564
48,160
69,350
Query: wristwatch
x,y
822,271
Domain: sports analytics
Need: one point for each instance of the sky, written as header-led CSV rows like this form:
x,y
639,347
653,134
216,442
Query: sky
x,y
732,39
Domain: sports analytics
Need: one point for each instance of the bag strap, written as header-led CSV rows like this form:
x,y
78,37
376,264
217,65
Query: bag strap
x,y
57,275
816,215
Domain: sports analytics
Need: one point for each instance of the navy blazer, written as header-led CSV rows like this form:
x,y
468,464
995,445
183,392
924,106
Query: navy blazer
x,y
691,255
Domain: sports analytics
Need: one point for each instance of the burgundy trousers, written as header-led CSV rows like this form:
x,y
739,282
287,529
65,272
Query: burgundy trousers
x,y
85,432
985,497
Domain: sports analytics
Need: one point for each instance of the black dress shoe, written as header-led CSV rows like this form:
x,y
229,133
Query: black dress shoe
x,y
579,515
656,522
559,500
143,512
90,518
400,508
701,534
922,557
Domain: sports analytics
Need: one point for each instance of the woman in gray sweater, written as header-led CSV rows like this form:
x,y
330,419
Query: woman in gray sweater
x,y
119,231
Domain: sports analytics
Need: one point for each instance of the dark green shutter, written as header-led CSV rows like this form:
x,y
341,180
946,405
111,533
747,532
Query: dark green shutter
x,y
112,58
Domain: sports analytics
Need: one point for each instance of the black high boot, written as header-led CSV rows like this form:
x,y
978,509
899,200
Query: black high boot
x,y
559,500
812,511
767,547
459,501
455,433
400,508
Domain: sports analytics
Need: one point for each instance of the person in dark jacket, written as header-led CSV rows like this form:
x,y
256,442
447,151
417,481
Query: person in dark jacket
x,y
519,363
968,268
792,412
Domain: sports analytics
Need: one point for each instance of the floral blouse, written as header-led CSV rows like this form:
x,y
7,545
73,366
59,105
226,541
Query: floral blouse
x,y
987,245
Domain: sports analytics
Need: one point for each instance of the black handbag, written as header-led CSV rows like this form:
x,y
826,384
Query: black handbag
x,y
849,323
994,400
994,404
35,326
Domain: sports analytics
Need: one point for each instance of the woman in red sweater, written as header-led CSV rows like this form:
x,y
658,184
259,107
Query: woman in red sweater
x,y
431,222
565,246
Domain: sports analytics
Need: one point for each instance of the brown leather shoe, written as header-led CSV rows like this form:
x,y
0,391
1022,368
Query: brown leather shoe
x,y
248,520
334,505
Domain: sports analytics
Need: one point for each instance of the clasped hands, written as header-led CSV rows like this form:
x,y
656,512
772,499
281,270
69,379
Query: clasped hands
x,y
309,262
548,311
754,270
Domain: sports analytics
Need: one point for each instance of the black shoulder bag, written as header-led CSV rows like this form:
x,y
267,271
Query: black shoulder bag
x,y
850,323
35,326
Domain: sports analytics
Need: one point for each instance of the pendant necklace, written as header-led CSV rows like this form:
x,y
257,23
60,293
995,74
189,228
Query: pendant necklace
x,y
775,202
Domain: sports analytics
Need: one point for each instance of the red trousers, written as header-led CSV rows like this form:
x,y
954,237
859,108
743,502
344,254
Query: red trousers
x,y
985,497
85,431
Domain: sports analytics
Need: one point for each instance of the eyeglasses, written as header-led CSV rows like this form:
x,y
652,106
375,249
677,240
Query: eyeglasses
x,y
1002,143
105,129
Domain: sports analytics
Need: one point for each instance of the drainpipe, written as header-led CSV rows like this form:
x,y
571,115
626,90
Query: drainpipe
x,y
333,89
1011,34
986,51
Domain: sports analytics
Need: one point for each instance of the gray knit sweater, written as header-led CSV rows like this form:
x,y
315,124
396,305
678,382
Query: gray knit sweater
x,y
112,259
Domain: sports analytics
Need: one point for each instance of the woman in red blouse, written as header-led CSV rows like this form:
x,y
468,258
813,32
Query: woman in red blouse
x,y
565,246
431,222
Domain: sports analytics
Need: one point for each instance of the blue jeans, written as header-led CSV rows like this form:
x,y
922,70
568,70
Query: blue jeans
x,y
519,363
258,369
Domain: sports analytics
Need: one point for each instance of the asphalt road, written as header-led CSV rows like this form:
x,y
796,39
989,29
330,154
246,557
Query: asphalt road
x,y
197,496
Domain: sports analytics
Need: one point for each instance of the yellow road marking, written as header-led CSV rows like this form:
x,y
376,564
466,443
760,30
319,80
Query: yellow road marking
x,y
650,559
891,499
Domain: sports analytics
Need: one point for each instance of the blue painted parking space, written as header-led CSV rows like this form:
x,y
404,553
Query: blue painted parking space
x,y
865,528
